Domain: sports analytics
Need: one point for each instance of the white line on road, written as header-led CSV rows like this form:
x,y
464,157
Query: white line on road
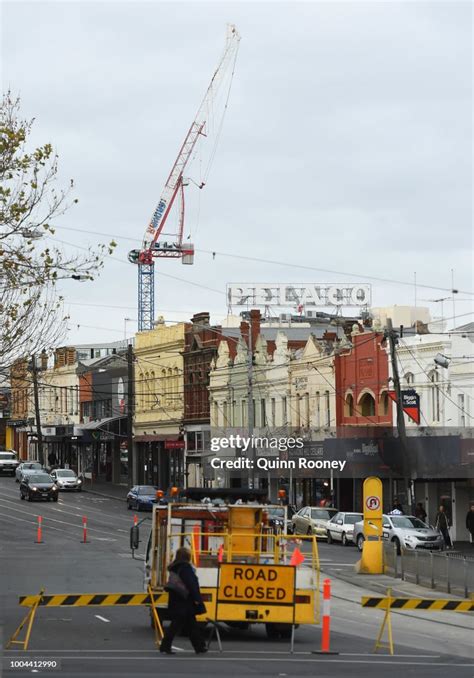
x,y
102,618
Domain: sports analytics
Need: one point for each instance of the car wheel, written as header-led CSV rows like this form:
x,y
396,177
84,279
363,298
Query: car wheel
x,y
360,541
396,541
290,529
329,538
344,539
309,531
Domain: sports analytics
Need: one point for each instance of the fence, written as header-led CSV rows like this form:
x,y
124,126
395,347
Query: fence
x,y
450,572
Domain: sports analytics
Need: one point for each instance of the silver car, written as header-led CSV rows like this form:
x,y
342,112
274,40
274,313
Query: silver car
x,y
341,527
66,479
312,520
27,467
407,532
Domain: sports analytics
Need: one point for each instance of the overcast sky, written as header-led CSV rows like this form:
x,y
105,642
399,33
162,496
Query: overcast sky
x,y
347,144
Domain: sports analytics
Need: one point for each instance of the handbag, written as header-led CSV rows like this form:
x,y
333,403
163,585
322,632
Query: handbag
x,y
176,585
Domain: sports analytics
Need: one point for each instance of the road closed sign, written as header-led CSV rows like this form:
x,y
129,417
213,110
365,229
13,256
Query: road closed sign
x,y
243,589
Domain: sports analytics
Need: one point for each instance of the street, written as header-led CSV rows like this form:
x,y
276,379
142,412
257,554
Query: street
x,y
116,641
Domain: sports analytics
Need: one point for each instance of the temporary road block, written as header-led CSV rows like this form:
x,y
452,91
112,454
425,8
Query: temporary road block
x,y
326,627
84,530
39,531
389,603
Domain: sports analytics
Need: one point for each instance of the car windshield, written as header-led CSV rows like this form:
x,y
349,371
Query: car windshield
x,y
7,455
65,474
322,514
146,489
353,519
408,522
276,512
39,478
31,465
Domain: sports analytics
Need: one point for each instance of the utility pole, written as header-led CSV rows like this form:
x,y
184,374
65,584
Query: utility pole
x,y
39,435
392,337
132,462
250,407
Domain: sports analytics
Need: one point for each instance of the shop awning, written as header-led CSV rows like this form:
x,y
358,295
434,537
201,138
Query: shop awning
x,y
161,437
98,423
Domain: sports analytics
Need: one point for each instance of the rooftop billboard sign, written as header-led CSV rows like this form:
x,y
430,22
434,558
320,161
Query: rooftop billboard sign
x,y
305,295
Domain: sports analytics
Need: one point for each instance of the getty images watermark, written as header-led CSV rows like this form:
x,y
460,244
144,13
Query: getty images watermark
x,y
259,445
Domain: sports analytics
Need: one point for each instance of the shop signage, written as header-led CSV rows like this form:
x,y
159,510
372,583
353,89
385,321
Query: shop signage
x,y
301,295
410,403
174,444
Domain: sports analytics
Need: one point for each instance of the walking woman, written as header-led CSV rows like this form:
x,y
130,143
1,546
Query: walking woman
x,y
184,603
442,524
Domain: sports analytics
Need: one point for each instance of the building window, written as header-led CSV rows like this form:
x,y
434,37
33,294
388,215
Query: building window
x,y
244,413
367,405
328,409
409,378
273,411
349,405
284,409
434,396
318,409
462,410
384,404
298,411
263,412
225,413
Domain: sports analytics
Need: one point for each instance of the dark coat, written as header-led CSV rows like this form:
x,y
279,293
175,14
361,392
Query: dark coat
x,y
193,604
442,521
470,521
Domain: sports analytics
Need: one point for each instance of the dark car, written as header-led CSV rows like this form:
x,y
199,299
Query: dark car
x,y
276,518
8,462
142,497
38,486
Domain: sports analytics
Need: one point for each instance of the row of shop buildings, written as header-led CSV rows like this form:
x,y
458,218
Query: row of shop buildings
x,y
326,381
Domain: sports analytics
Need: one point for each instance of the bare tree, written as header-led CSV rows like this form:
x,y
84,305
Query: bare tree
x,y
31,312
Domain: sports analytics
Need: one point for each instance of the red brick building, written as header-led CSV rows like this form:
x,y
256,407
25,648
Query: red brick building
x,y
362,386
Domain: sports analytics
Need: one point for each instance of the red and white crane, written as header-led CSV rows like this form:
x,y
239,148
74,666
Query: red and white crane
x,y
169,244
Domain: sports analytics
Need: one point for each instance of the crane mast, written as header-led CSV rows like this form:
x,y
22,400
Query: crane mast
x,y
153,245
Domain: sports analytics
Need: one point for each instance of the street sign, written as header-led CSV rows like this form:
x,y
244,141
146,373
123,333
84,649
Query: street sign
x,y
263,584
372,554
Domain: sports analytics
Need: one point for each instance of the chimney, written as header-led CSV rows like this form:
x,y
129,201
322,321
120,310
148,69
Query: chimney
x,y
44,360
202,319
70,355
244,331
60,357
255,325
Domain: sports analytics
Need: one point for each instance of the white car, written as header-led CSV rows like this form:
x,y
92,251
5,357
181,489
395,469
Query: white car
x,y
66,479
341,527
28,467
8,461
406,532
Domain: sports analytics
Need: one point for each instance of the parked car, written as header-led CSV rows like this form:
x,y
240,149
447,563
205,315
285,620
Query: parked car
x,y
341,527
276,518
27,467
9,462
142,497
38,486
406,532
312,520
66,479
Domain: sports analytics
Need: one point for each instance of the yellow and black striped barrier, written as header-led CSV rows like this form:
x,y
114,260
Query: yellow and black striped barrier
x,y
85,600
419,604
389,603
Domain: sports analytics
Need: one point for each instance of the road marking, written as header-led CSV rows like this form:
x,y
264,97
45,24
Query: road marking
x,y
102,618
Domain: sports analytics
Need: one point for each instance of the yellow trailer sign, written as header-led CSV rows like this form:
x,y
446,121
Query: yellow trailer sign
x,y
256,592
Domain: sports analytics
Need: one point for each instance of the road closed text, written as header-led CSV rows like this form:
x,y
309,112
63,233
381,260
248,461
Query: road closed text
x,y
256,583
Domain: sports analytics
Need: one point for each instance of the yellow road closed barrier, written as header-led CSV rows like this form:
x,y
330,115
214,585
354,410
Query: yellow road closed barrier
x,y
83,600
389,603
